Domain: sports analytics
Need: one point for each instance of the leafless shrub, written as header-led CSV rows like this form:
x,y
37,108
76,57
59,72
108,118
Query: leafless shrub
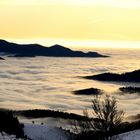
x,y
106,118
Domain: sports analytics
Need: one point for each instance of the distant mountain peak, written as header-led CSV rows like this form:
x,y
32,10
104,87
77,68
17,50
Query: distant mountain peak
x,y
57,46
3,41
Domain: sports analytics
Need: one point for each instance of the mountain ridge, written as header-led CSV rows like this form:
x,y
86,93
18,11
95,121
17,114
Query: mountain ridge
x,y
133,76
28,50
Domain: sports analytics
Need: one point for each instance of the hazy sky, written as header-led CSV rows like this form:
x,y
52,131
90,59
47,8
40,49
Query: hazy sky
x,y
71,21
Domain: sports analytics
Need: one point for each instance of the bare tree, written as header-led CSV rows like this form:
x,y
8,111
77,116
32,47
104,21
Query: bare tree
x,y
106,117
106,113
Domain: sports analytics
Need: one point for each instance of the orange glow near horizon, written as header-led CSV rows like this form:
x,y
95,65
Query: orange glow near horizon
x,y
92,23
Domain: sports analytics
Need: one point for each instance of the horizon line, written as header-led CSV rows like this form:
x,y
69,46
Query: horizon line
x,y
83,44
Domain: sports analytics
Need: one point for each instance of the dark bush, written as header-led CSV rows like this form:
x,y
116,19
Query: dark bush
x,y
10,124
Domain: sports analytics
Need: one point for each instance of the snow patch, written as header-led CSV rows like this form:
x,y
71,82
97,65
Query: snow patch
x,y
4,136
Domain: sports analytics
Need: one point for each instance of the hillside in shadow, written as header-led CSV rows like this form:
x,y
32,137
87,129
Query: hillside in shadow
x,y
133,76
130,89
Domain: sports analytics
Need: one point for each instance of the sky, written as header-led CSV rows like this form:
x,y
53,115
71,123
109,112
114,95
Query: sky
x,y
81,23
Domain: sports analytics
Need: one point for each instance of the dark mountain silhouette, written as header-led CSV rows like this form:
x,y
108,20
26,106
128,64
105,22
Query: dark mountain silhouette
x,y
31,50
130,89
89,91
133,76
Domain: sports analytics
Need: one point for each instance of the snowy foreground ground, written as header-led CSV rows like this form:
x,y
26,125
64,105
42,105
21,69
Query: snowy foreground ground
x,y
133,135
44,132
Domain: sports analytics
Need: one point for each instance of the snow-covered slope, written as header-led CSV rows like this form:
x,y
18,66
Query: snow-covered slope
x,y
133,135
44,132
